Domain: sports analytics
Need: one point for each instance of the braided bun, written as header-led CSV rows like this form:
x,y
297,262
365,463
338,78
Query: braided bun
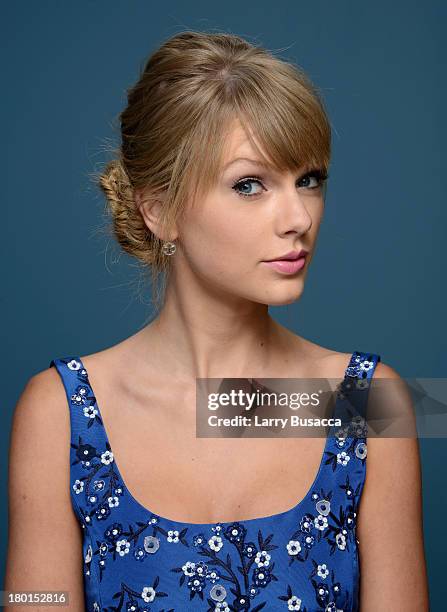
x,y
129,227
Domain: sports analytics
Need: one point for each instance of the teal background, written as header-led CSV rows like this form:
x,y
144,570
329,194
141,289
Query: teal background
x,y
377,281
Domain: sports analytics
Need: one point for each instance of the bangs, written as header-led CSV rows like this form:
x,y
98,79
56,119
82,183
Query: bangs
x,y
291,132
283,118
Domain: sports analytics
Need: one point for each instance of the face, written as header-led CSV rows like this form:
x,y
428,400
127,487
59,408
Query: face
x,y
251,215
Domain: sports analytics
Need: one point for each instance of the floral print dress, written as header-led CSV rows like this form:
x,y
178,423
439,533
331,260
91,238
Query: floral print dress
x,y
304,559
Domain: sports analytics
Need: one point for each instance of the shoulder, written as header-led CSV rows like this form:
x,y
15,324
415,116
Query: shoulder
x,y
384,370
393,470
42,403
390,397
40,440
323,361
39,505
111,358
313,359
390,519
40,423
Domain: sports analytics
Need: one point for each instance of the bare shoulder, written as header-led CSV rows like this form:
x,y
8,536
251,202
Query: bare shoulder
x,y
384,370
392,437
39,501
41,409
390,398
390,520
114,357
40,434
322,361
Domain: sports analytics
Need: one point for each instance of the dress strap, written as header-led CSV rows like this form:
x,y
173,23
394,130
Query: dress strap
x,y
362,365
353,391
84,412
89,445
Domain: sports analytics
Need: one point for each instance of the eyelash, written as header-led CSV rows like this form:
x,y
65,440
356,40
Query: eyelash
x,y
320,175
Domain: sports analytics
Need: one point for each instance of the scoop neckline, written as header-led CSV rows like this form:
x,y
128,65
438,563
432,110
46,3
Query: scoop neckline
x,y
182,524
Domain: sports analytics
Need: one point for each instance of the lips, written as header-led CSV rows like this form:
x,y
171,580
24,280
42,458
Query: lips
x,y
290,256
287,266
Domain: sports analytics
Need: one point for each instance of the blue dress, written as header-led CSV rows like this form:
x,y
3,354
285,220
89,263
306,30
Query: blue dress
x,y
134,560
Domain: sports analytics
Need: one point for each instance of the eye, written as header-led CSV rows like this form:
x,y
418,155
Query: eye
x,y
318,177
312,180
245,182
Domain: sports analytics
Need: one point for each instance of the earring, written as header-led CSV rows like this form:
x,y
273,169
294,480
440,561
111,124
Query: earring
x,y
169,248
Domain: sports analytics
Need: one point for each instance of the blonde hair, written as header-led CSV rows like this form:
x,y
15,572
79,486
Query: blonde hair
x,y
173,130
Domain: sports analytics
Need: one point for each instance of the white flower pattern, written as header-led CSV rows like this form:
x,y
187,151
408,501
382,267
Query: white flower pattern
x,y
223,566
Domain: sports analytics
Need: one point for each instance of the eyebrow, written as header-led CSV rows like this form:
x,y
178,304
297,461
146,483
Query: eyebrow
x,y
257,162
261,164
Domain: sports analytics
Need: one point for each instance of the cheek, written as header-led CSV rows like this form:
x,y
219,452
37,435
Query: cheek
x,y
217,244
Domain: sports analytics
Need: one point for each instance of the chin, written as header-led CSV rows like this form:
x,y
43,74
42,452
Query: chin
x,y
278,298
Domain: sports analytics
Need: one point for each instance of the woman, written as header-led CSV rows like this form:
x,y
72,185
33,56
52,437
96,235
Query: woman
x,y
218,189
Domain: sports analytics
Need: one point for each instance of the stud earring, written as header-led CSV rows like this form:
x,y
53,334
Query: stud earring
x,y
169,248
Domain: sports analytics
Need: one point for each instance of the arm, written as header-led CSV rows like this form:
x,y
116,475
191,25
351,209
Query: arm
x,y
44,537
390,526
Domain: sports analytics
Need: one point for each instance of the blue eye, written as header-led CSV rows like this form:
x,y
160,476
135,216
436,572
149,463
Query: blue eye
x,y
246,181
318,177
308,178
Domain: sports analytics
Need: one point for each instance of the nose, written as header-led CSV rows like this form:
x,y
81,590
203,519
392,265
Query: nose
x,y
293,213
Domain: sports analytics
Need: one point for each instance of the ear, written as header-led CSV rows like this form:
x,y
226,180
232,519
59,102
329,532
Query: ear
x,y
150,207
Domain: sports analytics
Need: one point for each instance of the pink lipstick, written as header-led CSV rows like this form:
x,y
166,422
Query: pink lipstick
x,y
290,263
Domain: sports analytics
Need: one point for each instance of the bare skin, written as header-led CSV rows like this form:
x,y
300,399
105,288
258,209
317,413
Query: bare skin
x,y
215,323
262,476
